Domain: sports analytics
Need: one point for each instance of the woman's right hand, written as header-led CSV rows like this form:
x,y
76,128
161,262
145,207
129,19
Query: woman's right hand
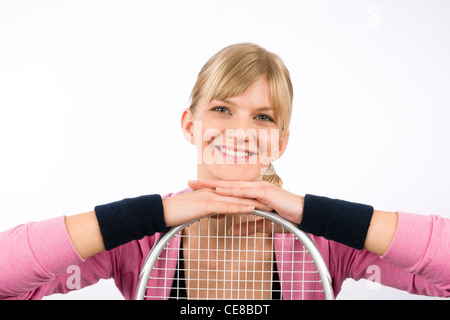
x,y
197,204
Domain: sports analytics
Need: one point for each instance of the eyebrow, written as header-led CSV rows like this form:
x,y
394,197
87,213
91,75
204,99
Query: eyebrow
x,y
267,108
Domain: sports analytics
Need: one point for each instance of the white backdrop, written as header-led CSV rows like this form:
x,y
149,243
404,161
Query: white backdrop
x,y
91,95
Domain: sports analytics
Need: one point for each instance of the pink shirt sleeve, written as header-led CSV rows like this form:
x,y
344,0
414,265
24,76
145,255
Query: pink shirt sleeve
x,y
33,254
421,246
416,261
35,261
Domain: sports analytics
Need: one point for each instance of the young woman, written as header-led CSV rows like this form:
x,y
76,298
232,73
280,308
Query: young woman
x,y
239,121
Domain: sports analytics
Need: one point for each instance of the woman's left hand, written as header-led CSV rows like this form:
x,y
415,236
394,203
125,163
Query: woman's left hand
x,y
285,203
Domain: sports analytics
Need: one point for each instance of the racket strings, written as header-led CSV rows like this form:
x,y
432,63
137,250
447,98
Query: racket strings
x,y
211,260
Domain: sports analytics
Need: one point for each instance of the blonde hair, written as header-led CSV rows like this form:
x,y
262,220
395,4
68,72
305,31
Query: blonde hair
x,y
235,68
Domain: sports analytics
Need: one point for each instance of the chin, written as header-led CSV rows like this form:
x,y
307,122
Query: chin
x,y
236,172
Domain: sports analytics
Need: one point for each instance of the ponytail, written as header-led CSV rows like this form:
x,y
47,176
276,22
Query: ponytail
x,y
271,176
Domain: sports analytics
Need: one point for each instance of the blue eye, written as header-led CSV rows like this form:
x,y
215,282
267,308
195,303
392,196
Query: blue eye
x,y
264,117
220,109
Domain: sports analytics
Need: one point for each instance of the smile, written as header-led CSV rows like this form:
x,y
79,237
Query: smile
x,y
235,153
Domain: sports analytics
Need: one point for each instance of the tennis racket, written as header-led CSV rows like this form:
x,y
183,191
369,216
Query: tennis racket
x,y
221,257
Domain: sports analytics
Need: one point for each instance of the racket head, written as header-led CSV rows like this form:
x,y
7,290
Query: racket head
x,y
302,272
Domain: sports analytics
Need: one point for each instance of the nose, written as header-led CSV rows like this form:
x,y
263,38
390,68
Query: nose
x,y
240,133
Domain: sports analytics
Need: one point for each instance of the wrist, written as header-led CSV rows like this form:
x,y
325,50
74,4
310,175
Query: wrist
x,y
298,212
130,219
341,221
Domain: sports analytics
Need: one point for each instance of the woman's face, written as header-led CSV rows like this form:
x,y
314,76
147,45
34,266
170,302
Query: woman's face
x,y
237,137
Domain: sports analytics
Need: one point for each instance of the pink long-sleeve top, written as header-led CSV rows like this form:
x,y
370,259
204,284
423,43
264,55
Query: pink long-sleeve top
x,y
37,259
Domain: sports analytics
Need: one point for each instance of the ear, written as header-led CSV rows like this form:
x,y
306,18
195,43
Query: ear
x,y
283,143
187,125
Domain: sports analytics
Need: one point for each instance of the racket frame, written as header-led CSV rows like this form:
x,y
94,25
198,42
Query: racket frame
x,y
303,237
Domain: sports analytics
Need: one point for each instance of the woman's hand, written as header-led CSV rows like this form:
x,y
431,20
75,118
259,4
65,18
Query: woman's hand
x,y
285,203
203,202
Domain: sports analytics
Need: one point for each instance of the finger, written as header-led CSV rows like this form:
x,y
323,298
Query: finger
x,y
238,189
229,208
259,194
196,185
243,201
251,193
212,184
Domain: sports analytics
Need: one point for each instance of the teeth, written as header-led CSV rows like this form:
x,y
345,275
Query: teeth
x,y
234,153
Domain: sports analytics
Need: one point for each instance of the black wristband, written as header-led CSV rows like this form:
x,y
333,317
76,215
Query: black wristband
x,y
130,219
341,221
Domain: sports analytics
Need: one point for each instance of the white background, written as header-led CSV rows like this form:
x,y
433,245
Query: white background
x,y
91,95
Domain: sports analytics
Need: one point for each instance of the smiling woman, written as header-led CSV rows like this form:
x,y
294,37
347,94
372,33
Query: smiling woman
x,y
239,119
239,115
235,141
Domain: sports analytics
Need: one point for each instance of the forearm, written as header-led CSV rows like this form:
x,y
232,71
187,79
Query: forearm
x,y
355,225
115,224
